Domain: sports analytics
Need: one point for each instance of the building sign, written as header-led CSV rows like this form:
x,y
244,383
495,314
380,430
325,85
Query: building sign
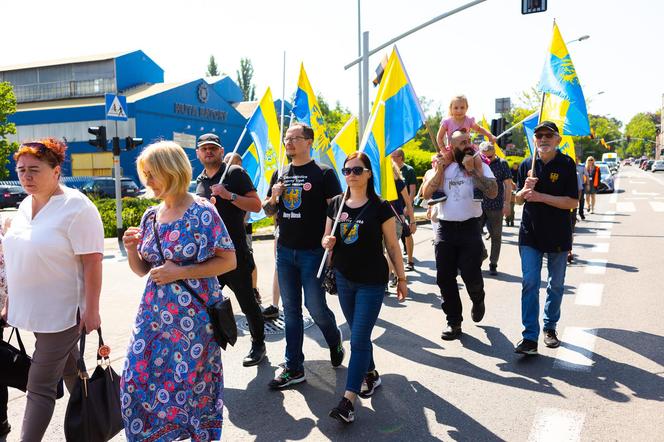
x,y
205,113
202,92
185,140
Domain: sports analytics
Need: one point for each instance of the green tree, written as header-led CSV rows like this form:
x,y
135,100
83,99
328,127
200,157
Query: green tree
x,y
606,128
642,130
335,118
212,68
245,77
7,108
423,139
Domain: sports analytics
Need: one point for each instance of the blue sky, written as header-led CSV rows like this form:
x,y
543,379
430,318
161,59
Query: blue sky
x,y
485,52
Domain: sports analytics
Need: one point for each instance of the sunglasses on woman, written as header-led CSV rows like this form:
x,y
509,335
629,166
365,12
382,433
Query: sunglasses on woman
x,y
346,171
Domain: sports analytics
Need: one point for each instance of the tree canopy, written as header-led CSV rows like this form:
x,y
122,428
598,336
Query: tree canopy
x,y
245,76
212,68
7,108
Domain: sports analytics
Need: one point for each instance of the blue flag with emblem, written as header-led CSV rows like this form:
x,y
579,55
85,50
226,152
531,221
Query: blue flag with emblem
x,y
307,111
566,142
563,100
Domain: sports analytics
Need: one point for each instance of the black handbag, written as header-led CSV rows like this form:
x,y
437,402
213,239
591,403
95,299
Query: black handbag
x,y
329,276
220,313
14,363
94,411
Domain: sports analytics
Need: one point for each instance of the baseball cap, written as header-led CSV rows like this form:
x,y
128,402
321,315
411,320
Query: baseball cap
x,y
208,139
550,125
486,146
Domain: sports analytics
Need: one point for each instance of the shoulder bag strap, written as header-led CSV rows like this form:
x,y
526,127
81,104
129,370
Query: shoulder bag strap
x,y
161,254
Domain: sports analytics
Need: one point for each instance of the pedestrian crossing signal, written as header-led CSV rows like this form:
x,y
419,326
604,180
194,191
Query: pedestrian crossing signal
x,y
100,137
533,6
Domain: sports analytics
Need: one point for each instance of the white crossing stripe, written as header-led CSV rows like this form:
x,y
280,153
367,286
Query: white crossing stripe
x,y
596,266
657,206
600,248
555,425
604,233
625,207
609,219
589,293
576,350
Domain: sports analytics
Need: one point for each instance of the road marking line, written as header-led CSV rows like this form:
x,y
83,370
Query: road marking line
x,y
625,207
600,248
589,293
657,206
596,266
614,195
609,219
554,424
576,351
604,233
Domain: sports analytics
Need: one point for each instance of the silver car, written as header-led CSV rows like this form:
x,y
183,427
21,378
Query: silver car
x,y
657,166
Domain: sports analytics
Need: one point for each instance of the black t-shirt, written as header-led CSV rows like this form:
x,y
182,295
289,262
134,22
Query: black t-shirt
x,y
399,204
545,227
236,181
303,204
359,257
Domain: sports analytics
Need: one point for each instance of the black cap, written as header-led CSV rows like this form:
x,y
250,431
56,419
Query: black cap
x,y
550,125
208,139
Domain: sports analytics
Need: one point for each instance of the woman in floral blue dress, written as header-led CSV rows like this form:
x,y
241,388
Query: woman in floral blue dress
x,y
172,383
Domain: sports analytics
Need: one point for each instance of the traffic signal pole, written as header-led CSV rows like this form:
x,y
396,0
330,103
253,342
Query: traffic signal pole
x,y
118,190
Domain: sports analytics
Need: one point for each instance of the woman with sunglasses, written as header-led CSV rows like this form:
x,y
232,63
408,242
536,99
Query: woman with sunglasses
x,y
53,255
365,222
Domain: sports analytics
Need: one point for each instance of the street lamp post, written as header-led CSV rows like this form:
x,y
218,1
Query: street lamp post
x,y
583,37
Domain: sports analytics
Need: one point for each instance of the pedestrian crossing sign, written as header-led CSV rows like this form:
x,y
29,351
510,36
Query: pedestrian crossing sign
x,y
116,107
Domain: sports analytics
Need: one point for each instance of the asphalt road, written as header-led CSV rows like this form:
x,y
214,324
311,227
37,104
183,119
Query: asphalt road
x,y
606,382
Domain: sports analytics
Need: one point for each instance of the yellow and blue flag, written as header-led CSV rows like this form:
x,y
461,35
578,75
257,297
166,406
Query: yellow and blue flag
x,y
395,118
261,159
307,110
566,145
343,144
499,151
564,103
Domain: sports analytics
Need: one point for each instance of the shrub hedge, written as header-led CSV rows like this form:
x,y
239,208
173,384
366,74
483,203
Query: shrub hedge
x,y
132,212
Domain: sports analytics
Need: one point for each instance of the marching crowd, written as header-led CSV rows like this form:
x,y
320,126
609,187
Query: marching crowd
x,y
192,246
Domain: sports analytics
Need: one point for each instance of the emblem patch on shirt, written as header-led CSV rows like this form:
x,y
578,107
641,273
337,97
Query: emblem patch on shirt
x,y
350,236
343,217
307,187
293,198
553,176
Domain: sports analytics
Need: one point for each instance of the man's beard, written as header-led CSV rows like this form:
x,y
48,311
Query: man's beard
x,y
459,155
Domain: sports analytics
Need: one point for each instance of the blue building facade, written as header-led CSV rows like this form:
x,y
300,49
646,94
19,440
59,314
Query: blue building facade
x,y
65,103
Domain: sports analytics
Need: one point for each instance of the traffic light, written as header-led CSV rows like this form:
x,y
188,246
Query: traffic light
x,y
100,137
498,126
132,142
505,140
532,6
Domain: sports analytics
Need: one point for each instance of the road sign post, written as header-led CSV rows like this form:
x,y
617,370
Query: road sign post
x,y
116,109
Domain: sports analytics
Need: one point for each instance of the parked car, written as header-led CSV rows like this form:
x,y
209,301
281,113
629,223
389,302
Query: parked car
x,y
11,196
657,166
647,165
104,187
607,184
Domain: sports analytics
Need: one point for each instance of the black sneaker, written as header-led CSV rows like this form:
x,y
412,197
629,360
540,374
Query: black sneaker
x,y
526,347
369,385
337,353
551,339
477,312
5,428
286,377
409,267
271,312
394,281
255,356
451,332
344,412
493,270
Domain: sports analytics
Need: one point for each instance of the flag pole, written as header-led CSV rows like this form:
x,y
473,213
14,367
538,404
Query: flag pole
x,y
532,166
282,148
237,145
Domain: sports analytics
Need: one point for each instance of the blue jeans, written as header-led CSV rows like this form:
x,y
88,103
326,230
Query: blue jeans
x,y
531,266
361,304
296,270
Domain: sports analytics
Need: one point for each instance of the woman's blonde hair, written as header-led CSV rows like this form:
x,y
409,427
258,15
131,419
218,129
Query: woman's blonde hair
x,y
458,98
166,161
589,159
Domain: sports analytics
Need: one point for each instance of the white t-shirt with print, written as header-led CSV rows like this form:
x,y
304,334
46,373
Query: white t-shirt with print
x,y
458,186
44,269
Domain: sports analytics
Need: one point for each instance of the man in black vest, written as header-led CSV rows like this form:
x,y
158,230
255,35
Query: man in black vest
x,y
545,229
233,198
299,196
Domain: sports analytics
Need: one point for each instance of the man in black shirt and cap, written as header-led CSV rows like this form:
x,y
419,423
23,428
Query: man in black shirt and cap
x,y
233,198
548,196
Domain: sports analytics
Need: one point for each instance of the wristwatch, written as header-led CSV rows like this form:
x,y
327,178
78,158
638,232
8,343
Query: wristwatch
x,y
233,196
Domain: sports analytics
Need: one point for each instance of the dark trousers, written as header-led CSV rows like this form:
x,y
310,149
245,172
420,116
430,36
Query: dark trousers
x,y
582,202
4,396
458,245
239,281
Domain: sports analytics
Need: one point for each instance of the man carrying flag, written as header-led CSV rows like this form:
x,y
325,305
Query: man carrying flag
x,y
299,196
548,196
